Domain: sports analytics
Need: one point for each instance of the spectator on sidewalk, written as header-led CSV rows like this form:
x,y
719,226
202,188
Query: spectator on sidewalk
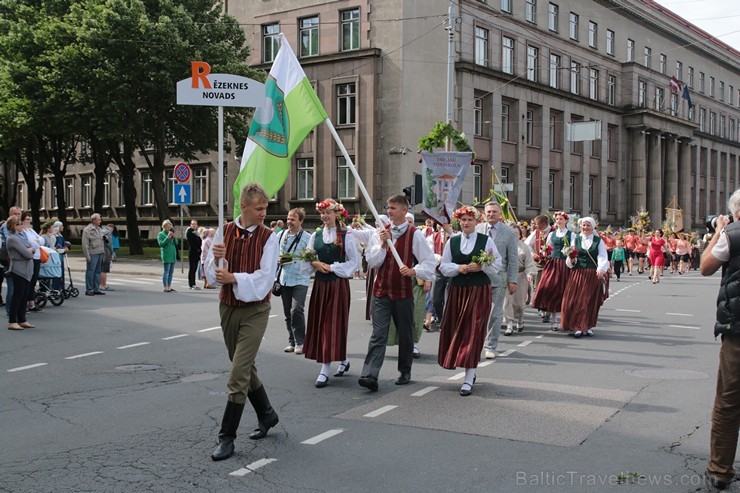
x,y
5,258
208,235
37,241
108,255
20,252
194,252
168,249
93,249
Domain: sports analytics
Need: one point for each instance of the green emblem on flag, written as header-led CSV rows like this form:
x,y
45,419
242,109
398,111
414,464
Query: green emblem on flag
x,y
272,135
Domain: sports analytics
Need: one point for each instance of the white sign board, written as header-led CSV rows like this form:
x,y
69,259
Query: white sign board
x,y
443,174
206,89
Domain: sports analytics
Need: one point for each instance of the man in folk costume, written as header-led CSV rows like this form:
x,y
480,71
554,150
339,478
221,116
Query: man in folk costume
x,y
537,242
505,239
250,253
392,290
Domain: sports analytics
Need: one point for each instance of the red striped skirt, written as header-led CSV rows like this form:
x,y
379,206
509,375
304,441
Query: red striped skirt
x,y
328,319
549,294
464,326
582,301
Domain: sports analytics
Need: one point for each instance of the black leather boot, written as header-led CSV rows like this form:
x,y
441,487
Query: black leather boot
x,y
227,434
266,415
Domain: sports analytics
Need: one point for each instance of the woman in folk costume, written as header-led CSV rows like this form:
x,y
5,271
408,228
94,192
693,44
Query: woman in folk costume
x,y
465,320
549,294
587,284
514,303
658,246
328,310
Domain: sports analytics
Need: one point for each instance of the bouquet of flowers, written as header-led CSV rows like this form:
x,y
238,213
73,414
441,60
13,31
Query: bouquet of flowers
x,y
484,258
307,255
641,221
568,250
360,219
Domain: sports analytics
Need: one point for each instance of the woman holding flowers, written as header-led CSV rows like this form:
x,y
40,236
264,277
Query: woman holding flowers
x,y
587,288
549,294
334,256
658,246
470,260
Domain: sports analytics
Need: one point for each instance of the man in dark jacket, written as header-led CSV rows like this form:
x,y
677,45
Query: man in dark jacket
x,y
194,242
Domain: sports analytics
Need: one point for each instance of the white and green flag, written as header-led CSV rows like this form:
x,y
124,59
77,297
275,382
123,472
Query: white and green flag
x,y
290,112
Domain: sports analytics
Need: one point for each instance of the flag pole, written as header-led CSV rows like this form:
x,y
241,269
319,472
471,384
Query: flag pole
x,y
360,184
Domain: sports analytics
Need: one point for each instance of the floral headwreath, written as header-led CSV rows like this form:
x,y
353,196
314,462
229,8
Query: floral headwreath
x,y
468,210
332,205
562,214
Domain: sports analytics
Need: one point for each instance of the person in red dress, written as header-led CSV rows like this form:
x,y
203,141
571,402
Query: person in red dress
x,y
465,319
658,246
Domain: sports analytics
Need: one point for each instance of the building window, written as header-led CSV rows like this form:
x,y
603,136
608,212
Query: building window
x,y
528,188
506,6
552,132
648,57
532,55
573,30
552,17
610,42
593,34
86,196
478,116
530,128
663,63
200,186
711,86
55,200
119,190
721,91
146,188
679,71
722,126
169,183
530,10
590,194
630,50
350,29
674,104
575,77
572,191
712,122
691,113
642,94
609,195
505,122
270,42
555,71
593,86
504,174
551,190
346,98
20,196
346,188
691,77
309,36
702,119
69,192
107,179
477,181
507,55
731,95
305,179
659,95
612,91
731,134
481,46
701,82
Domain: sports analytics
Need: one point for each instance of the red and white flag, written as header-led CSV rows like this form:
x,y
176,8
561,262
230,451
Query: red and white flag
x,y
675,85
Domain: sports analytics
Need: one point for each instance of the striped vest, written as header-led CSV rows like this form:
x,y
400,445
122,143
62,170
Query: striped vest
x,y
243,253
388,280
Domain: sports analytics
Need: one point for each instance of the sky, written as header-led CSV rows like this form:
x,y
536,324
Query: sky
x,y
717,17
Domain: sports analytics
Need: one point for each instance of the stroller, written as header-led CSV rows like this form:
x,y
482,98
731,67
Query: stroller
x,y
50,280
71,290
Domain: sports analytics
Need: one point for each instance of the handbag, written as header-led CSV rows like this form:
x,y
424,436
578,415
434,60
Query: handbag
x,y
277,288
43,255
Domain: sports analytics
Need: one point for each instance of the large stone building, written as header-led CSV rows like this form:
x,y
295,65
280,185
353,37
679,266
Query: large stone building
x,y
523,70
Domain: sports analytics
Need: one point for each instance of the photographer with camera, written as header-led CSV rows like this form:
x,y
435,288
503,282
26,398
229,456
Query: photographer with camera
x,y
167,241
724,251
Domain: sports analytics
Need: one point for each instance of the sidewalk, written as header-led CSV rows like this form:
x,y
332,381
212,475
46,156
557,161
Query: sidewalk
x,y
126,266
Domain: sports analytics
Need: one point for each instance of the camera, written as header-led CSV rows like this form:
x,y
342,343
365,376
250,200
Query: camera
x,y
711,222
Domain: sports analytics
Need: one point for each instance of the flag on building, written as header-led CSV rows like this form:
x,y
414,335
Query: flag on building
x,y
687,96
675,85
291,111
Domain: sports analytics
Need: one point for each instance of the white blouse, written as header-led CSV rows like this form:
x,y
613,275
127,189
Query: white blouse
x,y
602,259
467,242
352,256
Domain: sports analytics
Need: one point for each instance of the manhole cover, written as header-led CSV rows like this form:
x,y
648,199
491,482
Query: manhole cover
x,y
137,367
668,374
200,377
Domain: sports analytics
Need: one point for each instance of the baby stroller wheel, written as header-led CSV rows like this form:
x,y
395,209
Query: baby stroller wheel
x,y
40,299
74,292
65,293
56,297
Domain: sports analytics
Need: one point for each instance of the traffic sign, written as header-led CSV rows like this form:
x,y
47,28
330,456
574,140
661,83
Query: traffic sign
x,y
182,193
182,172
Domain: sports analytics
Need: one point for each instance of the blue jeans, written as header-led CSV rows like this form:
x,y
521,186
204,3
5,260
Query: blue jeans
x,y
92,273
9,293
169,271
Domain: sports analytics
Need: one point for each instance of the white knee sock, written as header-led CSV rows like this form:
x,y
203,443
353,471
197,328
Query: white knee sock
x,y
324,371
469,376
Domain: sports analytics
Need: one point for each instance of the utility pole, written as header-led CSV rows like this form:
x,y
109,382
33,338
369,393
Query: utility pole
x,y
450,61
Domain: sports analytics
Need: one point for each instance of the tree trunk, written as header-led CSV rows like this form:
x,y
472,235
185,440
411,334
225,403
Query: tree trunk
x,y
30,171
9,186
127,169
158,175
101,159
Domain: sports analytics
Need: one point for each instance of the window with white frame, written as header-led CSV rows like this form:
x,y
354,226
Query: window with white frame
x,y
551,190
309,36
573,26
270,41
691,77
702,119
553,17
711,86
55,199
119,191
692,113
722,126
528,187
86,195
572,191
721,91
346,188
663,63
200,185
674,104
504,174
505,122
481,46
21,195
532,56
304,177
554,71
648,57
507,55
609,42
642,94
346,101
530,10
477,181
701,82
147,197
575,77
630,50
612,91
593,34
679,70
107,180
169,184
350,29
731,134
593,86
712,122
552,132
478,116
530,128
659,98
506,6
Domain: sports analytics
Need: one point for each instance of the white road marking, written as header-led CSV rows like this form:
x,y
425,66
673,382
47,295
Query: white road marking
x,y
210,329
681,314
134,345
627,310
485,363
525,344
424,391
271,316
174,337
149,279
507,353
84,355
538,337
130,281
685,327
457,376
251,467
324,436
378,412
20,368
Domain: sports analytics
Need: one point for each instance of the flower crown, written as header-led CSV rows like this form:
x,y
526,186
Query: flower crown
x,y
561,213
467,210
332,205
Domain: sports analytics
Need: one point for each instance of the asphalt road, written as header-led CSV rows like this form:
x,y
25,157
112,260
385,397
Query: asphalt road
x,y
125,392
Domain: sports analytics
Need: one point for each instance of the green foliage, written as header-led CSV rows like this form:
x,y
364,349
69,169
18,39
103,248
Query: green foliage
x,y
437,139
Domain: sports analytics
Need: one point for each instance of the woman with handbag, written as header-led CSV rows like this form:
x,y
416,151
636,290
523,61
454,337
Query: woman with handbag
x,y
328,311
20,252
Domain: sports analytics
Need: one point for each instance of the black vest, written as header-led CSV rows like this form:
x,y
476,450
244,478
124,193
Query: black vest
x,y
728,299
474,278
329,253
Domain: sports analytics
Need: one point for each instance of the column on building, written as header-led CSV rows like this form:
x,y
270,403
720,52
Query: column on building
x,y
603,163
670,185
697,183
716,167
726,181
638,199
565,175
655,178
545,161
684,181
